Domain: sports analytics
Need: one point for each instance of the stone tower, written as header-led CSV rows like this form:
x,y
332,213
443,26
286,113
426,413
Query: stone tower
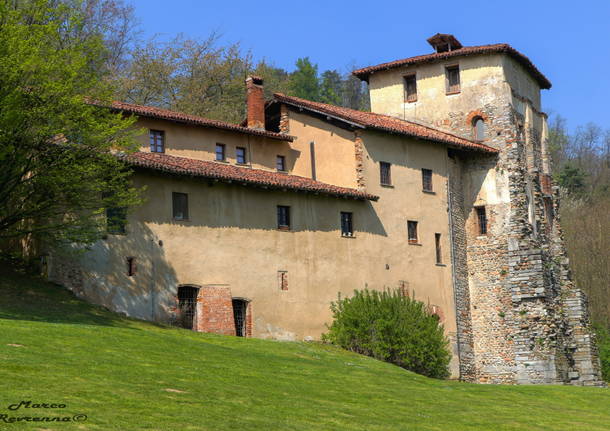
x,y
520,318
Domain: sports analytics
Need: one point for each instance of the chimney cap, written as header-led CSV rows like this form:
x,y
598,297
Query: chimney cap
x,y
256,80
442,42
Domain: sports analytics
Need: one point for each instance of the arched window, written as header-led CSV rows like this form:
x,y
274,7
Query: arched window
x,y
479,129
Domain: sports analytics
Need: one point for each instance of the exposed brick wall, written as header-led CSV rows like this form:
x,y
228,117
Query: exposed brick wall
x,y
215,310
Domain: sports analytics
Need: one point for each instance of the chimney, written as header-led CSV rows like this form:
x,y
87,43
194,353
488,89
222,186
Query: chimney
x,y
255,102
444,42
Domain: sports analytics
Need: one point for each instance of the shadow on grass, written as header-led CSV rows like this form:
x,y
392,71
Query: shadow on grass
x,y
27,297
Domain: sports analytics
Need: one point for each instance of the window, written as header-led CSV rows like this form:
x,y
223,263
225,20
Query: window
x,y
157,141
412,231
116,220
180,203
283,217
481,220
385,173
437,243
478,129
187,306
240,155
131,266
282,280
240,308
426,180
452,74
347,228
280,163
410,88
220,152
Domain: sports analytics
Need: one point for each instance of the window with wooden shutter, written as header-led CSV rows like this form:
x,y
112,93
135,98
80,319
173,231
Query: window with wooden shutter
x,y
283,217
347,228
412,231
437,244
180,206
410,88
385,173
426,179
452,74
157,141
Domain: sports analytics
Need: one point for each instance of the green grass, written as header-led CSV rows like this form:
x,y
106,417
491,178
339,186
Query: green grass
x,y
125,375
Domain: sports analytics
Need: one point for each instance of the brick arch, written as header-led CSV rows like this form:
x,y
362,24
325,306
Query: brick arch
x,y
476,114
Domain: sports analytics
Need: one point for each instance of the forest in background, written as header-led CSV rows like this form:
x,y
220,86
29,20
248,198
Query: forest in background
x,y
206,77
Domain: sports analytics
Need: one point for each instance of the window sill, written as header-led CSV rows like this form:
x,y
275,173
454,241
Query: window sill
x,y
221,161
242,164
441,264
410,101
429,192
348,236
389,186
284,229
415,243
279,171
181,219
449,93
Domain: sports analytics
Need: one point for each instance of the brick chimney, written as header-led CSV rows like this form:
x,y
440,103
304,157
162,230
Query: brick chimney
x,y
255,102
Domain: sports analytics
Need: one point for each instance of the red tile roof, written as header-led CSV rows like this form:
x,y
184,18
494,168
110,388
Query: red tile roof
x,y
240,175
468,50
385,123
164,114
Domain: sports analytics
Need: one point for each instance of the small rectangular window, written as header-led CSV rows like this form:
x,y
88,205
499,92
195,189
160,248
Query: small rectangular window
x,y
180,206
157,141
280,163
412,231
240,155
452,74
385,173
131,266
426,179
410,88
481,220
347,228
282,280
437,243
220,152
283,217
116,220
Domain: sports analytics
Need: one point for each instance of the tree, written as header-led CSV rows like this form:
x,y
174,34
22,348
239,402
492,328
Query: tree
x,y
331,88
58,165
304,80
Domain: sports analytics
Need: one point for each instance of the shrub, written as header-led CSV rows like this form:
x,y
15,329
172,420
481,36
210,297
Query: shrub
x,y
603,344
391,327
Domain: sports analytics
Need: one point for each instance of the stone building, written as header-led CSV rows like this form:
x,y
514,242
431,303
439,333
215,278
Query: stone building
x,y
443,190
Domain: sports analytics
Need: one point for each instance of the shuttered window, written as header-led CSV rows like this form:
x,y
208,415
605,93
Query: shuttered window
x,y
410,88
157,141
347,228
453,79
283,217
412,231
385,173
180,204
426,179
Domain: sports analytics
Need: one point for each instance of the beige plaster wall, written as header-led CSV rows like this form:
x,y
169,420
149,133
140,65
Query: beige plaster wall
x,y
335,161
198,142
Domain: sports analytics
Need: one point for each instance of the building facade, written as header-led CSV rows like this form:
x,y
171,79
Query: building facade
x,y
443,190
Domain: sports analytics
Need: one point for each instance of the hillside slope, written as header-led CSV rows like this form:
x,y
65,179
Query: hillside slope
x,y
125,374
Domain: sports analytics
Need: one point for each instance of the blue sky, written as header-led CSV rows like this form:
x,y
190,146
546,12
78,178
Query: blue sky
x,y
568,41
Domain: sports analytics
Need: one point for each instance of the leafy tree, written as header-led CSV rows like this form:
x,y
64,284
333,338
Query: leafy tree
x,y
392,327
276,79
304,80
331,87
58,171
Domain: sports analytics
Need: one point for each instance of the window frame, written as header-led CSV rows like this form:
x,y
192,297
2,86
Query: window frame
x,y
481,220
427,184
154,136
131,266
411,239
281,158
410,97
185,217
223,151
347,224
237,155
438,248
387,174
448,88
283,220
475,131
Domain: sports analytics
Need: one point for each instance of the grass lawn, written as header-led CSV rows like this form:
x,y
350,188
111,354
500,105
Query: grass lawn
x,y
126,374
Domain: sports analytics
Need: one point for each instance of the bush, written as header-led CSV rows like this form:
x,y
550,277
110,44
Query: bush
x,y
603,344
391,327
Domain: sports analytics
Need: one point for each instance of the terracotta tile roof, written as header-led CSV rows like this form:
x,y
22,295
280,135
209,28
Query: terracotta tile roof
x,y
164,114
468,50
239,175
385,123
